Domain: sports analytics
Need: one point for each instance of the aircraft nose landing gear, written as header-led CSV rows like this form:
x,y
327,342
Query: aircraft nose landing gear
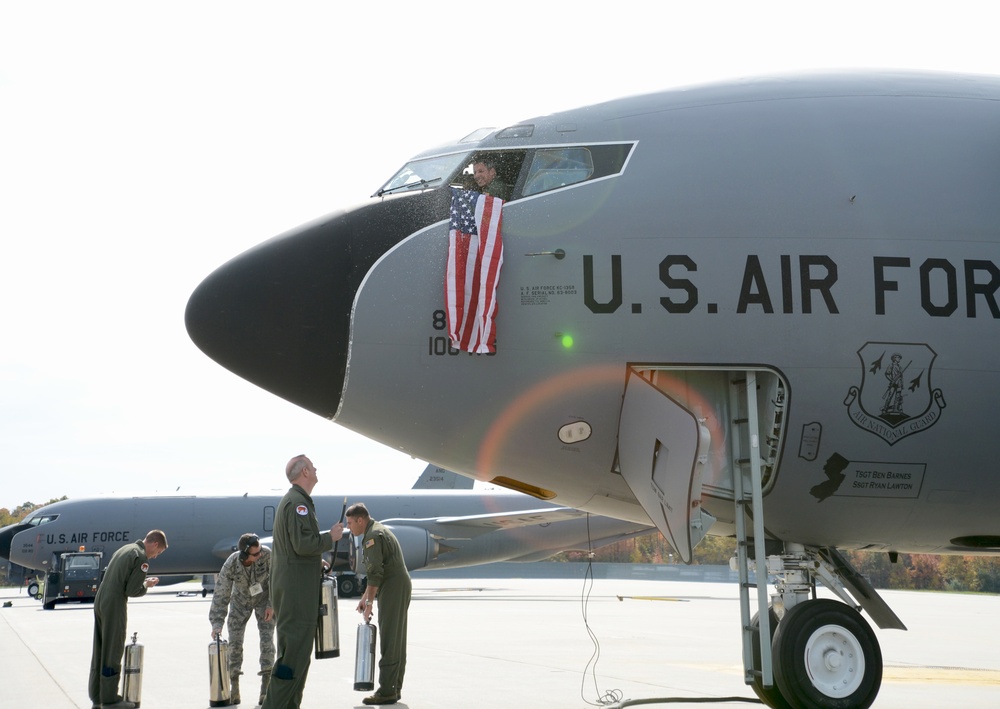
x,y
823,653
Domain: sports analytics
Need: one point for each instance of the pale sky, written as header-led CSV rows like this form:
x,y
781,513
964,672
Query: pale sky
x,y
142,145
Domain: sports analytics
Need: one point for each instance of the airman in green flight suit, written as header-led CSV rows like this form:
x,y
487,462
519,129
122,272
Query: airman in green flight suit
x,y
124,578
389,582
296,571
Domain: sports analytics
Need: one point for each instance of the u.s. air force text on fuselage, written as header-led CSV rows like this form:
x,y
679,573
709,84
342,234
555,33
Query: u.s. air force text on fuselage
x,y
85,538
937,286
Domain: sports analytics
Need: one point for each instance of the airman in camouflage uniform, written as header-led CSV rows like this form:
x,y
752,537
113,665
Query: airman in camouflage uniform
x,y
244,589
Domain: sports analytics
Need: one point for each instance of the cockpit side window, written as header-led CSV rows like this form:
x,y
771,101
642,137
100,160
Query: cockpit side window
x,y
552,168
493,172
42,519
558,167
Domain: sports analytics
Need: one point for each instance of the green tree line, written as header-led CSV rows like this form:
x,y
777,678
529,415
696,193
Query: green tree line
x,y
21,511
930,572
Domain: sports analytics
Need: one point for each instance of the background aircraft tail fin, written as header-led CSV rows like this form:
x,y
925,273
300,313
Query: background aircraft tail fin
x,y
435,478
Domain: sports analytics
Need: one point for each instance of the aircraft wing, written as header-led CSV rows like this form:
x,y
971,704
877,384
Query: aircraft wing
x,y
469,526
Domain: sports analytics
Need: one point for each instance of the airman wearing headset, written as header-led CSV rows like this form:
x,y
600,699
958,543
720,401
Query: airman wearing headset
x,y
244,589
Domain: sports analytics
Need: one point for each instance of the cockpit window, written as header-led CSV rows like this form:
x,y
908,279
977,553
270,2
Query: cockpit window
x,y
42,519
493,172
427,173
477,135
558,167
513,172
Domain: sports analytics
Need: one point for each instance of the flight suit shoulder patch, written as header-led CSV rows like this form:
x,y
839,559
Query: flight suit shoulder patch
x,y
301,510
370,543
145,568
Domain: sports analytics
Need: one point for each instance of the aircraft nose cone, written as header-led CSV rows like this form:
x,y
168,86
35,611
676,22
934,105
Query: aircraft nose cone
x,y
279,315
7,538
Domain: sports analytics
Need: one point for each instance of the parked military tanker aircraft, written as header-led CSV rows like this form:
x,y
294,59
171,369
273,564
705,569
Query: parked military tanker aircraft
x,y
436,530
765,308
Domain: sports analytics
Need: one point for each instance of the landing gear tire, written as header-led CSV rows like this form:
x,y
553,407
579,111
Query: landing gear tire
x,y
347,586
33,590
826,656
771,696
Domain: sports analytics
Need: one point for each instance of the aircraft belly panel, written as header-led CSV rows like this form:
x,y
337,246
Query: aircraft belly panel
x,y
662,452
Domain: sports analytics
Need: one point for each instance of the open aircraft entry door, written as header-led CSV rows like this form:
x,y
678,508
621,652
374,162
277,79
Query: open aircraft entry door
x,y
662,450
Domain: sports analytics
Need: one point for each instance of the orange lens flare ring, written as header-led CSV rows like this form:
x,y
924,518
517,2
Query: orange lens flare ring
x,y
577,380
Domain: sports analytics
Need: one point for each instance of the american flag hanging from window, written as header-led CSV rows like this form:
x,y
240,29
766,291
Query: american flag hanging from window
x,y
475,254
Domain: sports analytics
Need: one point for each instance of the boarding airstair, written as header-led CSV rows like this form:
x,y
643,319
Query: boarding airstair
x,y
750,460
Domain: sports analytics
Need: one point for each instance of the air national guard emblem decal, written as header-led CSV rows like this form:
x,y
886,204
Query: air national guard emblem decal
x,y
895,399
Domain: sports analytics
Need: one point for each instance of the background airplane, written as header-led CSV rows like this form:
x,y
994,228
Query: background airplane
x,y
435,529
764,308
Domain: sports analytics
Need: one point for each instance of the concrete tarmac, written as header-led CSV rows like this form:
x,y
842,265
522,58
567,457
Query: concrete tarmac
x,y
494,643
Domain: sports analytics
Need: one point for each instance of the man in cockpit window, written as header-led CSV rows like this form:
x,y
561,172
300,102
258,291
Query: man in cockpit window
x,y
484,171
